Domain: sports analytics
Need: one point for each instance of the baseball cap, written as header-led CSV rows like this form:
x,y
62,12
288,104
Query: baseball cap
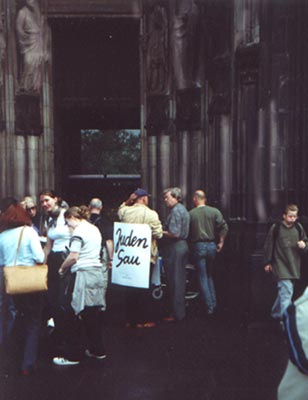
x,y
141,192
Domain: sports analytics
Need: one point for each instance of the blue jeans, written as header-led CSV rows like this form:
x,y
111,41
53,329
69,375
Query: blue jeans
x,y
284,297
7,311
29,308
204,254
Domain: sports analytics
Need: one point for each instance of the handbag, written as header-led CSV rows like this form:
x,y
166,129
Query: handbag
x,y
21,279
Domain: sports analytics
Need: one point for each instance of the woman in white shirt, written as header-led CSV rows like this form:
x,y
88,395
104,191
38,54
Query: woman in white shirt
x,y
56,250
15,222
87,289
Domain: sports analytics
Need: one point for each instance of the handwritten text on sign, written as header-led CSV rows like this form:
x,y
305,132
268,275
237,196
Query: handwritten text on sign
x,y
132,253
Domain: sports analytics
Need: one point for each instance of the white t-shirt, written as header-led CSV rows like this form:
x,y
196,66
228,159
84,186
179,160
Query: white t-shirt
x,y
86,241
59,234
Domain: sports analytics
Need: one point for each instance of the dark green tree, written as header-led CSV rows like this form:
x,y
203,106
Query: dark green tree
x,y
110,152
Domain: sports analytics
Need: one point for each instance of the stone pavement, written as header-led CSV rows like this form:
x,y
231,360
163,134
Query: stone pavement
x,y
220,359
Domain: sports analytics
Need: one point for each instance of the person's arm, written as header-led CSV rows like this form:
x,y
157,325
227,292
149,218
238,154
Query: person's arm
x,y
129,202
170,235
303,242
70,260
76,244
36,247
268,250
268,268
156,226
47,248
221,242
110,248
222,230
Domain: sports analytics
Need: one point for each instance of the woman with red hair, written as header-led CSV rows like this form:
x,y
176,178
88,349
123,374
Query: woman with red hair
x,y
15,223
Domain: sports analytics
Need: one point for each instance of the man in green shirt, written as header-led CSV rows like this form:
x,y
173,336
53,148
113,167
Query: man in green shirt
x,y
206,224
282,249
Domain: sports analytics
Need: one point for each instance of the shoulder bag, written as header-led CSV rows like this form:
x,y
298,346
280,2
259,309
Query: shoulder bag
x,y
20,279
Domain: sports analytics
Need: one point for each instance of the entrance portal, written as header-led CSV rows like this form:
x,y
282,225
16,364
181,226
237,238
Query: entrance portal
x,y
96,79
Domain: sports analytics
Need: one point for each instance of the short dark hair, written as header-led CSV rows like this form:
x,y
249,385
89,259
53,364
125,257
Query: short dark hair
x,y
51,193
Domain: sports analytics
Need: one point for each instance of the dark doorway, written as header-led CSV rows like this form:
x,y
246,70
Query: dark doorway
x,y
96,79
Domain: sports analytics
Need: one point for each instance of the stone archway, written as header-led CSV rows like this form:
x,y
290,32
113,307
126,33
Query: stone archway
x,y
96,82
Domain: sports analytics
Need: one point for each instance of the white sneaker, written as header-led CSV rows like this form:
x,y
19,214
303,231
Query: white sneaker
x,y
50,323
98,357
64,361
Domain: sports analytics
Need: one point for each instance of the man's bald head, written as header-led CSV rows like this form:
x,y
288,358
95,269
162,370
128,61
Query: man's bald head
x,y
199,197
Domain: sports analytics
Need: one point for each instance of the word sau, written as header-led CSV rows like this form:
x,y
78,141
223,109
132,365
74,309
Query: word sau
x,y
128,241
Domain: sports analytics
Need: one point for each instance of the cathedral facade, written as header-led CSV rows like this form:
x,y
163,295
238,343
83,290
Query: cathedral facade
x,y
218,90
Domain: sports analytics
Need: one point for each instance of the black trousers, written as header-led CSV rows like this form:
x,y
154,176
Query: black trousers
x,y
54,300
78,332
140,306
83,332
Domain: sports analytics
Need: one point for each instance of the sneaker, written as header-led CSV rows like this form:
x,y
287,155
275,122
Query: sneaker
x,y
64,361
191,295
50,323
96,356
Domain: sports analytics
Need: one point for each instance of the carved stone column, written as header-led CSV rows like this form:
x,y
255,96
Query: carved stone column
x,y
26,127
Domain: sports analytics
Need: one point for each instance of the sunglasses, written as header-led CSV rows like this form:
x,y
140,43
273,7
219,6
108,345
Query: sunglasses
x,y
31,208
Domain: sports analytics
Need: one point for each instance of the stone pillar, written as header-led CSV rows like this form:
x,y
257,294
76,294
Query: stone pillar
x,y
153,170
26,126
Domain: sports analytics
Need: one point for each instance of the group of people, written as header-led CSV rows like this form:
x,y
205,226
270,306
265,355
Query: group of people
x,y
77,245
72,247
199,233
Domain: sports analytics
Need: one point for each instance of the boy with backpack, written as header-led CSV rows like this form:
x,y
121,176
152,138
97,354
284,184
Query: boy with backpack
x,y
284,242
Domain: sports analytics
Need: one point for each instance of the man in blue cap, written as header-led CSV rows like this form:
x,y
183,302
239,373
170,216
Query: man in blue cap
x,y
135,210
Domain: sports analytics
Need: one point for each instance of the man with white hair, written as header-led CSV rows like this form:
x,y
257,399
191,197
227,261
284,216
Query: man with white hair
x,y
175,252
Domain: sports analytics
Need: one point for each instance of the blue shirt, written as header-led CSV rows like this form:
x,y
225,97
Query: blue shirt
x,y
30,250
177,221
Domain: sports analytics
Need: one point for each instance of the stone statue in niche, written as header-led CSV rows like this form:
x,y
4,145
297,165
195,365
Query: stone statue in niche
x,y
186,44
32,35
157,61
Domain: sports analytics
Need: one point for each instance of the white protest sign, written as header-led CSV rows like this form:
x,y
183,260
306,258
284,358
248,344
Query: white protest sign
x,y
132,255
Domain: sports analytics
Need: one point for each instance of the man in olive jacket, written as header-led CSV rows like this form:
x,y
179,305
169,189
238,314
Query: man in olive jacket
x,y
283,245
